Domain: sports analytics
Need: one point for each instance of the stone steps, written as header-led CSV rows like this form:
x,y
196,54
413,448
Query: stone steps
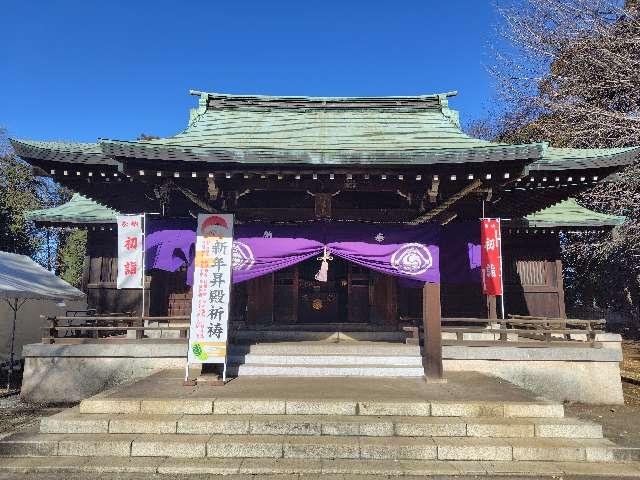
x,y
323,336
282,406
330,469
377,361
329,370
326,359
72,422
308,447
326,348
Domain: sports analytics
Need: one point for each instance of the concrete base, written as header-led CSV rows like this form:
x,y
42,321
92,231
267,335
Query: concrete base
x,y
69,373
585,382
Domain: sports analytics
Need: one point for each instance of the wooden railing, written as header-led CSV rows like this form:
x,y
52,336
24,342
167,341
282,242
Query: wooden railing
x,y
519,330
66,329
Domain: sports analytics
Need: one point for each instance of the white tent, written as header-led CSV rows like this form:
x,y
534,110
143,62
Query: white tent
x,y
22,279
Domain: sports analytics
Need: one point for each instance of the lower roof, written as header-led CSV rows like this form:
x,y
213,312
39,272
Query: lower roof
x,y
77,211
569,213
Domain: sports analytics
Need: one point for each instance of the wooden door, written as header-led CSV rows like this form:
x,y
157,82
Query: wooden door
x,y
358,294
384,299
260,300
285,295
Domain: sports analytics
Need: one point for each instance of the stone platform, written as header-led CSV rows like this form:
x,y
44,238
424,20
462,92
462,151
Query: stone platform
x,y
61,373
471,425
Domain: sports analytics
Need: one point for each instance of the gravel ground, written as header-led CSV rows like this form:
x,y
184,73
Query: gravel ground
x,y
17,415
621,423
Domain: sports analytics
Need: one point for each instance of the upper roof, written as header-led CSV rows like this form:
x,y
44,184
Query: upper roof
x,y
78,210
569,213
256,129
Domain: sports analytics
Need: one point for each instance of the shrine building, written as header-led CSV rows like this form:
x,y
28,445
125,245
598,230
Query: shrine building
x,y
388,190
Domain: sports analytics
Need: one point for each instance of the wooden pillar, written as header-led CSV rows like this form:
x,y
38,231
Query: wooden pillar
x,y
432,353
492,312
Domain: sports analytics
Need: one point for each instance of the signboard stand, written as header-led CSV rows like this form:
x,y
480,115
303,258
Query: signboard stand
x,y
210,305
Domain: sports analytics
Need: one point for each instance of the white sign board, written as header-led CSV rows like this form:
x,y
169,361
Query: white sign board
x,y
130,251
211,289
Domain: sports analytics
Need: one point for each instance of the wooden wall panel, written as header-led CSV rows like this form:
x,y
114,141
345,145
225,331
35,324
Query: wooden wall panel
x,y
533,275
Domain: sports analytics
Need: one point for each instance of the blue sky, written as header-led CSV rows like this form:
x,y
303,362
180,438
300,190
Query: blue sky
x,y
80,69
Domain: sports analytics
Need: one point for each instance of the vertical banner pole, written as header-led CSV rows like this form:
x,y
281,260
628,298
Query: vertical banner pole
x,y
144,239
501,274
208,332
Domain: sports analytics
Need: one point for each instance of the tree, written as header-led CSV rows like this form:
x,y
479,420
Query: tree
x,y
73,247
567,73
20,191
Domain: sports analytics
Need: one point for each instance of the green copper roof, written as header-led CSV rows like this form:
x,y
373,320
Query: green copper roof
x,y
569,213
258,129
322,130
78,210
89,153
581,158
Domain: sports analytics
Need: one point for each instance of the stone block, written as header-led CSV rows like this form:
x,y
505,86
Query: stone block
x,y
603,470
108,405
40,465
473,449
397,448
280,466
599,454
254,446
65,422
212,425
523,468
320,407
96,445
143,423
120,465
321,447
181,446
547,450
377,408
284,425
340,428
571,429
249,406
178,406
467,409
477,428
30,445
534,410
376,428
432,427
202,466
386,467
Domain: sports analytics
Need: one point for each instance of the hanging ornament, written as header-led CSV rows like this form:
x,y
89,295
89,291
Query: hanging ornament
x,y
321,276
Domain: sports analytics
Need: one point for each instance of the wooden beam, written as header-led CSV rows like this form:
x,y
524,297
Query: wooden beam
x,y
431,317
425,217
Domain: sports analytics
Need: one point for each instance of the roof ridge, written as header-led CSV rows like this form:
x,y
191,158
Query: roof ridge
x,y
431,96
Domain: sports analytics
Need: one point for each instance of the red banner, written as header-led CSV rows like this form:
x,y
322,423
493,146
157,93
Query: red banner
x,y
491,256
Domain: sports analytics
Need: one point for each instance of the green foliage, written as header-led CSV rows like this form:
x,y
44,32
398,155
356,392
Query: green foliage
x,y
20,192
71,253
569,76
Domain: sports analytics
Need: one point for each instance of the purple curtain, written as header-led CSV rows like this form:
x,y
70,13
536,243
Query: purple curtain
x,y
411,253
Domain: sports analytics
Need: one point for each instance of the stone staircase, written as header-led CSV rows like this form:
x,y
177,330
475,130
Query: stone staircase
x,y
326,358
287,436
